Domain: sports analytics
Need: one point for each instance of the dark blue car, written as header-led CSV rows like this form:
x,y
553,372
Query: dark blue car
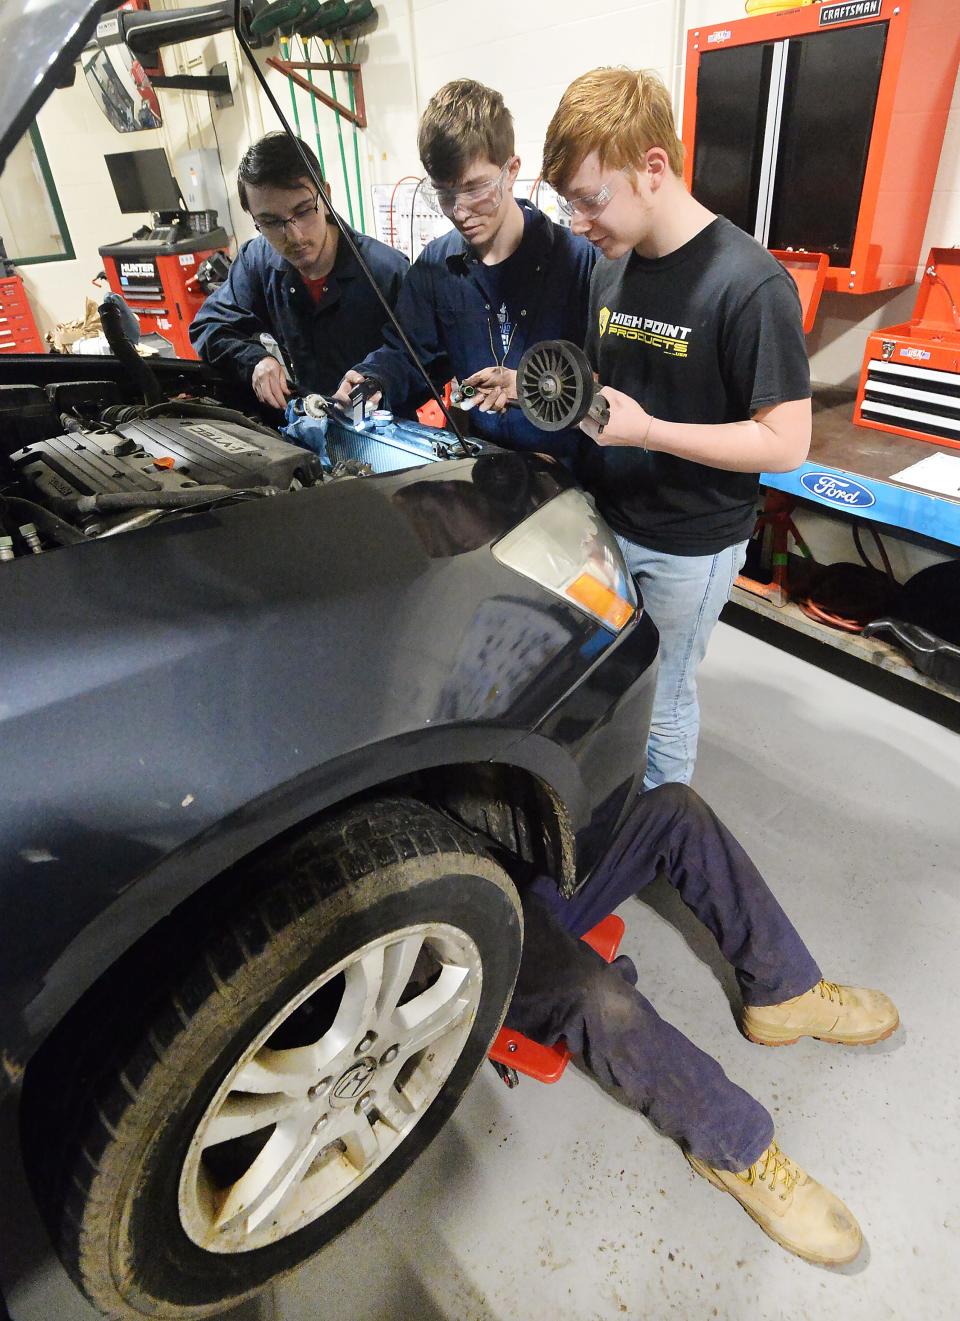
x,y
278,746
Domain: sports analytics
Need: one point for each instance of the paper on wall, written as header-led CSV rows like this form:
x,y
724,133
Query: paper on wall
x,y
394,223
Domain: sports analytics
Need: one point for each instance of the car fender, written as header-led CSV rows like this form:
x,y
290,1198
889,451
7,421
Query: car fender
x,y
82,951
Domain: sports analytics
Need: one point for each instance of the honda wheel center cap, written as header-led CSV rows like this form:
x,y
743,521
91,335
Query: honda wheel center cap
x,y
351,1084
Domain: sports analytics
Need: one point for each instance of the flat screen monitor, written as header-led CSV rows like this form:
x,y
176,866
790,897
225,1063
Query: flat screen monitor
x,y
142,180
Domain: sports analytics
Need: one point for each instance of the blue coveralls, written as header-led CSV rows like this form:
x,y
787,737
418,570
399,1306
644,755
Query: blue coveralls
x,y
565,989
263,292
462,315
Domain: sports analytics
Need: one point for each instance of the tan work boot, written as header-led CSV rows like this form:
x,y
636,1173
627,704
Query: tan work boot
x,y
796,1211
848,1015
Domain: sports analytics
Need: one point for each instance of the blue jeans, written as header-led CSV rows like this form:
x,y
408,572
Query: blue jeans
x,y
683,595
566,990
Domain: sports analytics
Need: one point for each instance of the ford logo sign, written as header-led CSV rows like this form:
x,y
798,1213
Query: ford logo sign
x,y
838,490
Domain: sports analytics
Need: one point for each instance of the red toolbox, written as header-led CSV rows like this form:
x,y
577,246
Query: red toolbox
x,y
157,279
910,379
18,330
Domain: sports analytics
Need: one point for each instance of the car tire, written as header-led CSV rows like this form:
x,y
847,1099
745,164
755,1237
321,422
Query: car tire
x,y
243,1125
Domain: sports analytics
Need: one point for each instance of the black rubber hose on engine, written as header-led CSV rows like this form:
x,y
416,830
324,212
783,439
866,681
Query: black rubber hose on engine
x,y
112,502
122,349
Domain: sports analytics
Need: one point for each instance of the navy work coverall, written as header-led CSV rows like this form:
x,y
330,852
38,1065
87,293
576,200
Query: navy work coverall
x,y
263,292
462,316
565,989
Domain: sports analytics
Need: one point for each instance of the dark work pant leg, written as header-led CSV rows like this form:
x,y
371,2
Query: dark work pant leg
x,y
672,828
565,989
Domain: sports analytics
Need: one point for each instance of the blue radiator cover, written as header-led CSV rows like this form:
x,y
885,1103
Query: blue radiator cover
x,y
389,447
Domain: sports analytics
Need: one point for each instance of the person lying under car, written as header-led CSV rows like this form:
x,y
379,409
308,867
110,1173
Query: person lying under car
x,y
565,989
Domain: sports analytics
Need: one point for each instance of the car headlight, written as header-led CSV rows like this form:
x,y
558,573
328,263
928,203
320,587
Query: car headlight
x,y
567,548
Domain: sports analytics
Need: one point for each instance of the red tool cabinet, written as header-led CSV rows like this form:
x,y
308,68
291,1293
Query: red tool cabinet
x,y
158,281
820,129
910,379
18,330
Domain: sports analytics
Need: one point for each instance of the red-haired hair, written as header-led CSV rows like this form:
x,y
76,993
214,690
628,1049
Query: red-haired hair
x,y
618,113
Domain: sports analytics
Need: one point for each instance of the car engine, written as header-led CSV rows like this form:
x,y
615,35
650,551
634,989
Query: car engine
x,y
90,471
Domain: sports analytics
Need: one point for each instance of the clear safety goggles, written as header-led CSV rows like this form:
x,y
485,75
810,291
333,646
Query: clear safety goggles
x,y
481,198
588,207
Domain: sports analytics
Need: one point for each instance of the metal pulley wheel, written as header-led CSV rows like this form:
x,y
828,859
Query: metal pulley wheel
x,y
555,386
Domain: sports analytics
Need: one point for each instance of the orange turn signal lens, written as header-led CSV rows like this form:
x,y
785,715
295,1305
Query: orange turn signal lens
x,y
595,596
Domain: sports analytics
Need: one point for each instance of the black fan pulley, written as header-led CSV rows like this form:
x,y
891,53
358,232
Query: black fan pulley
x,y
556,389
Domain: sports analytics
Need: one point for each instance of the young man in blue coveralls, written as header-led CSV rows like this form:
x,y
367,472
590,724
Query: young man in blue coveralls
x,y
297,281
503,279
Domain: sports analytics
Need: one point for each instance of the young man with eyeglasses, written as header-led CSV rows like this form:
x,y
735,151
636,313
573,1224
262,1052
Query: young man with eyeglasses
x,y
695,333
503,279
296,282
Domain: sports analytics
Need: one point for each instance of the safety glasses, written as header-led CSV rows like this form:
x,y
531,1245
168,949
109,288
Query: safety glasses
x,y
588,207
481,198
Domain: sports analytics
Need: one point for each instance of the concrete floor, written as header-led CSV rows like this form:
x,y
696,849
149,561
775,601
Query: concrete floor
x,y
558,1202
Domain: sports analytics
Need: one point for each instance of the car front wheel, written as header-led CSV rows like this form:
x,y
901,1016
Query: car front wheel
x,y
294,1066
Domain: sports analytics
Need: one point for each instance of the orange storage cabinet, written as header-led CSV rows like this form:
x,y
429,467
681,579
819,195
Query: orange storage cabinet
x,y
819,129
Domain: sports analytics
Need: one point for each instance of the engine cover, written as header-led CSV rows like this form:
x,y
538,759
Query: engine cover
x,y
161,453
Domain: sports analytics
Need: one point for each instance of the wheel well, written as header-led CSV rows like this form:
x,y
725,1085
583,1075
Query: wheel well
x,y
519,813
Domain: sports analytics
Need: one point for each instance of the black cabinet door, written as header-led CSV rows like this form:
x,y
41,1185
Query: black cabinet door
x,y
830,95
733,88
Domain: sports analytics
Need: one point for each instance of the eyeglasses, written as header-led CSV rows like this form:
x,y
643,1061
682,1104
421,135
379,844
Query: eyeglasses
x,y
588,207
301,217
482,198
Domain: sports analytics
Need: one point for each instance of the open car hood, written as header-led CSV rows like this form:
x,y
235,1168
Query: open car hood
x,y
39,42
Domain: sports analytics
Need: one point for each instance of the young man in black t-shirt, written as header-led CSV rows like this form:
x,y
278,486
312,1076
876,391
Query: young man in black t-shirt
x,y
695,333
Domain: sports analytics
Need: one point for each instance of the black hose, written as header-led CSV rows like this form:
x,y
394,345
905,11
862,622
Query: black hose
x,y
122,349
111,502
145,33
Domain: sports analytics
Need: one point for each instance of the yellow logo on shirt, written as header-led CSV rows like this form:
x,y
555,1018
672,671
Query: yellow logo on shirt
x,y
671,339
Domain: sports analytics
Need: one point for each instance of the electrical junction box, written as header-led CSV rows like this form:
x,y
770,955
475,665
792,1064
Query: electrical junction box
x,y
201,181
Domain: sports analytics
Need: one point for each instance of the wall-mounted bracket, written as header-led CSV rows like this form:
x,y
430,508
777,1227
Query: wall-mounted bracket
x,y
290,69
216,81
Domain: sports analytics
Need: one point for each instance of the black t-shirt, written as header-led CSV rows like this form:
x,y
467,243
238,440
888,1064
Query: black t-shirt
x,y
708,334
